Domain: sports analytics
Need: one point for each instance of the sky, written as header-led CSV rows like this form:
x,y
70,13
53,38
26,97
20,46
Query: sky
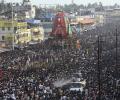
x,y
37,2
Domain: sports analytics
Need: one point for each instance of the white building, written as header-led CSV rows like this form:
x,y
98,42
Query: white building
x,y
30,13
31,10
26,2
26,10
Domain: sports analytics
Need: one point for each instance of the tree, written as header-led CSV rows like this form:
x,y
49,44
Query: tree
x,y
116,5
81,6
17,4
95,5
89,5
101,6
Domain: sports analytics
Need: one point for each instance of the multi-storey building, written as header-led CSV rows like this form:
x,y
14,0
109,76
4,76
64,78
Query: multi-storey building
x,y
12,31
20,33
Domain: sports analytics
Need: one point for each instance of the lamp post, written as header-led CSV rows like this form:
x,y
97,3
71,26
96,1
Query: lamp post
x,y
116,44
99,52
13,47
13,32
99,83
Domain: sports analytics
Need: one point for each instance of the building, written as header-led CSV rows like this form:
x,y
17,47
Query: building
x,y
23,37
86,12
13,31
25,11
45,15
100,19
26,2
47,27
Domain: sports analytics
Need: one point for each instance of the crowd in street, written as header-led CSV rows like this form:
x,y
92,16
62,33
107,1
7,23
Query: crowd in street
x,y
29,74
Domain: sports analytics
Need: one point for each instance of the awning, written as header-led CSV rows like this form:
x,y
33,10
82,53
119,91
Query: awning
x,y
87,21
33,21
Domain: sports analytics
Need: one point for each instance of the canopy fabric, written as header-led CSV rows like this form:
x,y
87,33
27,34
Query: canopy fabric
x,y
87,21
33,21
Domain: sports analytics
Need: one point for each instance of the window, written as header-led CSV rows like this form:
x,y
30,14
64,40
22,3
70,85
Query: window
x,y
35,33
26,35
3,37
15,28
3,28
8,28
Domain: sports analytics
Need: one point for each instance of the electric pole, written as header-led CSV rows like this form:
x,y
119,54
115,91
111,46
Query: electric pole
x,y
99,67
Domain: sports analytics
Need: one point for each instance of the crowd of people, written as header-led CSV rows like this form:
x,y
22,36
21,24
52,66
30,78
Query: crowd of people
x,y
30,74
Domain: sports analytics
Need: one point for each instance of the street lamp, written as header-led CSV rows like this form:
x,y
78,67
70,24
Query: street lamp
x,y
13,46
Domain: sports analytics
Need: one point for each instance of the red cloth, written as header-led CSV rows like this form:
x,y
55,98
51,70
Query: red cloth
x,y
60,25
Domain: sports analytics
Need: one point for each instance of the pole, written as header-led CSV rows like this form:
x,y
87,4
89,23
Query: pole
x,y
13,28
99,71
116,53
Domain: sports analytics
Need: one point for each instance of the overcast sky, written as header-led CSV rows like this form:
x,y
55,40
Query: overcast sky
x,y
37,2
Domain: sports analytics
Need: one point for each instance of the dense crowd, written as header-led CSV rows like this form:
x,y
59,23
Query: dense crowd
x,y
30,74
